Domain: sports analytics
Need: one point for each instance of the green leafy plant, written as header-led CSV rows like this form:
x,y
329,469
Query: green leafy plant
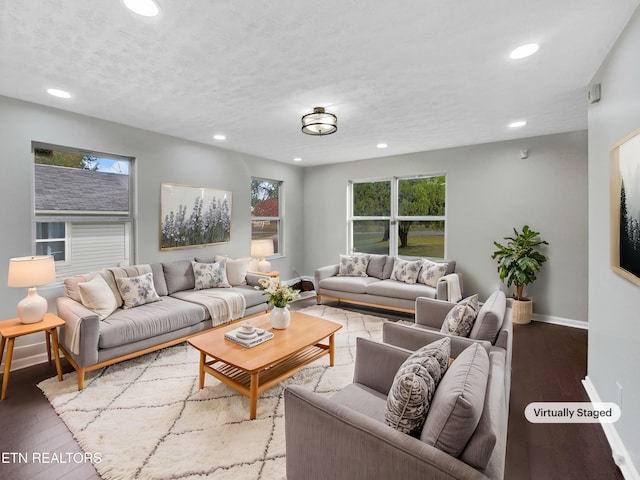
x,y
518,259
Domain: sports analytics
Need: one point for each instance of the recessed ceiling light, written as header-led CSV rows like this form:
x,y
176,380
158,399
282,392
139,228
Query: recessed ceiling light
x,y
519,123
146,8
297,159
58,93
218,136
524,51
382,145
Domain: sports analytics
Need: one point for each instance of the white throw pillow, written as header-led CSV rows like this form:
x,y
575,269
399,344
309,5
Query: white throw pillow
x,y
236,270
406,271
136,291
432,272
97,296
210,275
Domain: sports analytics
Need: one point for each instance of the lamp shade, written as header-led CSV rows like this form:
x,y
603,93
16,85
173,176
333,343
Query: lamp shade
x,y
28,272
319,122
262,248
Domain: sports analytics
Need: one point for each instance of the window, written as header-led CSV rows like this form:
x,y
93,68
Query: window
x,y
399,216
266,215
83,208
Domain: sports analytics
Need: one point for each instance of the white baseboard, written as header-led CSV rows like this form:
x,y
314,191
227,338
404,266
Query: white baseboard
x,y
565,322
620,455
26,356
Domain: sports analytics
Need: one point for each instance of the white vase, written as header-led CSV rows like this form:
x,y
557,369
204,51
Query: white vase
x,y
280,317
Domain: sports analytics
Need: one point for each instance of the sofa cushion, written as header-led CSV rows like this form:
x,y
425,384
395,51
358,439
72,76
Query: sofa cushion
x,y
158,279
490,317
236,269
459,320
406,271
458,402
111,274
179,276
137,291
431,272
150,320
376,265
252,296
414,385
71,289
395,289
97,296
363,399
348,284
353,265
210,275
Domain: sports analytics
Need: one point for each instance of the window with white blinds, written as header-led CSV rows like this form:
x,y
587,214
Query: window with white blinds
x,y
83,213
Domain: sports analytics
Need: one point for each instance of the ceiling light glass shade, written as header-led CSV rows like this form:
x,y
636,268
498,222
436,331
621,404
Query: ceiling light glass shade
x,y
58,93
524,51
146,8
319,122
519,123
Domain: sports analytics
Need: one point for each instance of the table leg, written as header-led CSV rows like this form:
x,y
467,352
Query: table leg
x,y
56,352
47,336
332,347
253,396
7,368
2,349
203,358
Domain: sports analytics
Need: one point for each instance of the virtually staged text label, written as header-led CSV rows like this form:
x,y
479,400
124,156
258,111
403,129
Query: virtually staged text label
x,y
572,412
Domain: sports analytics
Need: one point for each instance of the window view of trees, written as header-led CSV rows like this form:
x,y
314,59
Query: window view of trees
x,y
402,216
265,211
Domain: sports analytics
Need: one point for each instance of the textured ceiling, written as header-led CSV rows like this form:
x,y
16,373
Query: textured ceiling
x,y
416,74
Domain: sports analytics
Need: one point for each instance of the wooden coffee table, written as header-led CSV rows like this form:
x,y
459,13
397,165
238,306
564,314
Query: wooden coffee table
x,y
251,371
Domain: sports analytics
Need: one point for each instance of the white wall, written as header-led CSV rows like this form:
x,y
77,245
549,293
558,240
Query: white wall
x,y
614,322
158,158
490,190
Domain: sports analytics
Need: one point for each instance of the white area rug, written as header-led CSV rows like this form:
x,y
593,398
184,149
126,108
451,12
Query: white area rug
x,y
147,418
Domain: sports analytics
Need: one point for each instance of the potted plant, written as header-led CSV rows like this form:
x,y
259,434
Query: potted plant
x,y
280,294
518,261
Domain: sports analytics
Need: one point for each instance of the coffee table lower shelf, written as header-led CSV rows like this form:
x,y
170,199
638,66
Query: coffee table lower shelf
x,y
251,384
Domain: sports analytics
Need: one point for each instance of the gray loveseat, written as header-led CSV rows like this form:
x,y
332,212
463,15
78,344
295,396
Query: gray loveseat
x,y
90,343
378,288
346,437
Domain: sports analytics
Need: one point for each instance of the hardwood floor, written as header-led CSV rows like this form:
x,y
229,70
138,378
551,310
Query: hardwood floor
x,y
549,363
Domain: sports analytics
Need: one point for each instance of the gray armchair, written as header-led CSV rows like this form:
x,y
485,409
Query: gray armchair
x,y
345,436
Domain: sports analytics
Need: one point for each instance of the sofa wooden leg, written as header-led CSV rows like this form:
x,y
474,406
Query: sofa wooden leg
x,y
81,372
318,299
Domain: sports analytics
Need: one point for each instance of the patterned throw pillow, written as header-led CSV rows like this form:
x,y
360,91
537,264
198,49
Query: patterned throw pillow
x,y
210,275
432,272
459,321
414,385
353,265
136,291
406,271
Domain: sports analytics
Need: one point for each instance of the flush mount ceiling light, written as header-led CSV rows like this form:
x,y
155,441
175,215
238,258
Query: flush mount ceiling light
x,y
219,136
382,145
524,51
319,122
58,93
519,123
146,8
297,159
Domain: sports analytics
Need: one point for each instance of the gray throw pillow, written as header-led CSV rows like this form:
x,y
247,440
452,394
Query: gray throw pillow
x,y
460,319
414,385
458,402
490,318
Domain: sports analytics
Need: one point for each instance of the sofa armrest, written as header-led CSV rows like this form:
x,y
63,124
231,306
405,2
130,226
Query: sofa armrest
x,y
431,312
442,291
84,325
412,338
324,272
327,440
254,278
377,363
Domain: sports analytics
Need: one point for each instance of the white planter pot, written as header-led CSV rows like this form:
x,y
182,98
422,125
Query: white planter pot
x,y
280,317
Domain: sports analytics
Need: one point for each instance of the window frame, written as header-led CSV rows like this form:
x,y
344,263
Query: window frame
x,y
394,218
279,219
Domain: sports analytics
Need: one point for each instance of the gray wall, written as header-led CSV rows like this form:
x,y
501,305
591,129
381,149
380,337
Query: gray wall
x,y
490,190
614,323
158,158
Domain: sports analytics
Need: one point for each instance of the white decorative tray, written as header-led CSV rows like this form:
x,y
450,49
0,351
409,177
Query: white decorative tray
x,y
248,339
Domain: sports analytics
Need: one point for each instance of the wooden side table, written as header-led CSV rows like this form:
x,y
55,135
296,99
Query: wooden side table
x,y
266,274
10,329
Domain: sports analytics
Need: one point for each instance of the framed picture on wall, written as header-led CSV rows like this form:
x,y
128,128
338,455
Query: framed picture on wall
x,y
193,216
625,207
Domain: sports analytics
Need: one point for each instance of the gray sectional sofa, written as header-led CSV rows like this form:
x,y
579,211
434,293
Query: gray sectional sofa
x,y
377,288
90,342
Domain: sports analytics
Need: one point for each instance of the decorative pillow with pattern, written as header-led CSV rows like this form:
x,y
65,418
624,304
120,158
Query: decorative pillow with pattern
x,y
136,291
414,385
353,265
432,272
210,275
406,271
459,321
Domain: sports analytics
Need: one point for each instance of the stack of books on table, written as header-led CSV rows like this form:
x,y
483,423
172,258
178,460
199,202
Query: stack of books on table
x,y
248,340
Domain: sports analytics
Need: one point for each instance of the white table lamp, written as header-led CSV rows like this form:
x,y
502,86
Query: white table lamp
x,y
30,272
262,248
